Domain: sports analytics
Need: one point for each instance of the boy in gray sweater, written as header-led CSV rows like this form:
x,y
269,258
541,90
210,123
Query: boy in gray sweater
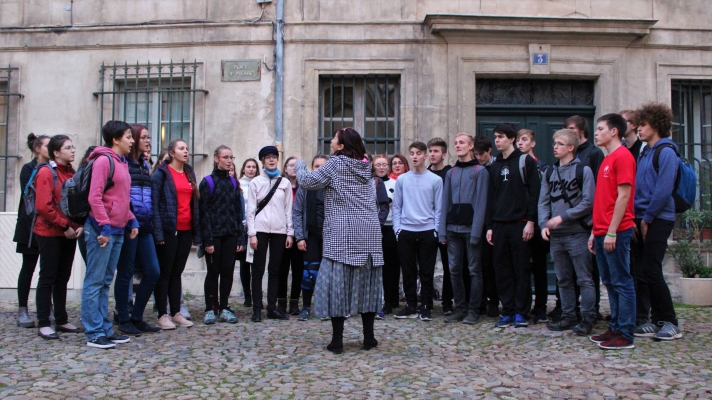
x,y
565,205
416,214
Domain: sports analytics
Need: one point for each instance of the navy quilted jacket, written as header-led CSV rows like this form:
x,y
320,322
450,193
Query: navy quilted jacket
x,y
141,194
165,204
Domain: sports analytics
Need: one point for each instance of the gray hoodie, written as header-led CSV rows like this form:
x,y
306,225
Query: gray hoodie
x,y
464,201
552,199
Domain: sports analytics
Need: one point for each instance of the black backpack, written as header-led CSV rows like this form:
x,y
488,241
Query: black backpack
x,y
30,192
75,191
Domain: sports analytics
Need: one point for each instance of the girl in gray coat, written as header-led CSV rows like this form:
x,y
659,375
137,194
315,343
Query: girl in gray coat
x,y
350,279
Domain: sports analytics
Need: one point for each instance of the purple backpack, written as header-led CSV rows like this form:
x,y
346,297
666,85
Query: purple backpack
x,y
211,183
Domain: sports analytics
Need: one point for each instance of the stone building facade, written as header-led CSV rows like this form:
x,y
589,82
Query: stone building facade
x,y
397,70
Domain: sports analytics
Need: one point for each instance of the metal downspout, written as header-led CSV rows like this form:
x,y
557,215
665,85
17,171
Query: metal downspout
x,y
279,64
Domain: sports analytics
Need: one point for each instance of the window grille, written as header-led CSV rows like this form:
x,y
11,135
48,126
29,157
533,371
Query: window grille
x,y
8,102
692,129
160,96
370,104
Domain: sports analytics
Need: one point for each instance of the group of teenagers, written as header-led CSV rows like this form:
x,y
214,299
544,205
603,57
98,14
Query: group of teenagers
x,y
349,227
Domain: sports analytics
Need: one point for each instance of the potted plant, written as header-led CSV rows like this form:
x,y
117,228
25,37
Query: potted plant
x,y
696,280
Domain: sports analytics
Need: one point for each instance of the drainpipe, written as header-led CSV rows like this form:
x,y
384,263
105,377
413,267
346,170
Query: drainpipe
x,y
279,63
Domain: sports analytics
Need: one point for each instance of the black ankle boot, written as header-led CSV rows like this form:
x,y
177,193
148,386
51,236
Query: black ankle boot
x,y
294,307
282,305
256,315
369,341
337,336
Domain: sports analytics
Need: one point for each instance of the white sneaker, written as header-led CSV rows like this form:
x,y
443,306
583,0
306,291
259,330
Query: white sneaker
x,y
165,322
180,320
185,312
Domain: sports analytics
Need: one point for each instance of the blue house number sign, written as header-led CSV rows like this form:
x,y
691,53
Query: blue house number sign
x,y
540,59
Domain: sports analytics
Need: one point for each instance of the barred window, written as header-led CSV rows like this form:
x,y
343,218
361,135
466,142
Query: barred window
x,y
159,96
692,129
370,104
8,129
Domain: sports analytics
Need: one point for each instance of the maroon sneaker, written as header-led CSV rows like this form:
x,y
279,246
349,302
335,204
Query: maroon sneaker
x,y
618,342
604,337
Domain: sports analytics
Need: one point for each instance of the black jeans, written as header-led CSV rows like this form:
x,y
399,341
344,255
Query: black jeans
x,y
651,291
447,294
391,267
275,242
172,256
24,279
245,274
312,260
295,258
417,252
56,259
464,256
540,249
512,267
221,266
489,285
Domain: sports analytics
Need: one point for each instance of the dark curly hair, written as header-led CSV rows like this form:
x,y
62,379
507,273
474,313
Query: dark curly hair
x,y
658,116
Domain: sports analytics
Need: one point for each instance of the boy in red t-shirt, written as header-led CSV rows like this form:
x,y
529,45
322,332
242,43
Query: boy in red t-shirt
x,y
613,230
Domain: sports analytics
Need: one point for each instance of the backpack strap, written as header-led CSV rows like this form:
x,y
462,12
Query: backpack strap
x,y
549,171
234,182
658,150
579,175
523,168
211,183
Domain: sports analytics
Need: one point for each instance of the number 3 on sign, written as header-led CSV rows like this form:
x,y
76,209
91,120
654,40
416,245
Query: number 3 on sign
x,y
540,59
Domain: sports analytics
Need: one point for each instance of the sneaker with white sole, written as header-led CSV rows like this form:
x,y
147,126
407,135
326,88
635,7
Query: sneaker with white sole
x,y
228,316
668,332
304,314
184,312
116,338
180,320
209,318
165,323
647,329
407,312
101,342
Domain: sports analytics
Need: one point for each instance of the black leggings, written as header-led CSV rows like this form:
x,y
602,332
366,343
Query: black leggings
x,y
293,257
172,256
275,242
24,280
55,269
221,265
245,274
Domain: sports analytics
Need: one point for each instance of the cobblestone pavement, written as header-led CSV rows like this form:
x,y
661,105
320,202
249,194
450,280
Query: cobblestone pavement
x,y
414,359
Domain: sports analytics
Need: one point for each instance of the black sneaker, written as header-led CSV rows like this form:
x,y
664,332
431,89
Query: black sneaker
x,y
425,313
563,324
116,338
457,316
447,309
407,312
101,342
129,329
277,314
540,316
248,302
493,310
256,315
144,327
584,328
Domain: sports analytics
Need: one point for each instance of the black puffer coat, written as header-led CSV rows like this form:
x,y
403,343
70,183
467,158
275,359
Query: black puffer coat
x,y
164,202
221,210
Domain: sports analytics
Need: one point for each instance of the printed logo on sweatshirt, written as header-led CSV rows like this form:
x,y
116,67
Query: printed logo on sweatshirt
x,y
504,173
562,187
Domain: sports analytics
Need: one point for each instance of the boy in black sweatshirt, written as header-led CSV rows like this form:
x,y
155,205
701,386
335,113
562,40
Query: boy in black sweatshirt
x,y
511,215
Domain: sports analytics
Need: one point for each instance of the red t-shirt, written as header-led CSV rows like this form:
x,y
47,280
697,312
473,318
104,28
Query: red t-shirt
x,y
618,168
184,191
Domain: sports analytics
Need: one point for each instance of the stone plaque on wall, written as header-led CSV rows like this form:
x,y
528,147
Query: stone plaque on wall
x,y
240,70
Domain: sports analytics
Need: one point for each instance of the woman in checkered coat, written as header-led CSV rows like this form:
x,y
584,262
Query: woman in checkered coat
x,y
350,277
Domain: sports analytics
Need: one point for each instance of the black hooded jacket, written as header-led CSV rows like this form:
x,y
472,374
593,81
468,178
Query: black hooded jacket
x,y
510,198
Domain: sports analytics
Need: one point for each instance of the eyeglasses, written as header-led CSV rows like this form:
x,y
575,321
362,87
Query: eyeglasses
x,y
227,157
69,148
380,165
398,163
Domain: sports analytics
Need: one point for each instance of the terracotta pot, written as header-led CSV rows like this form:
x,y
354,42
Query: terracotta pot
x,y
696,291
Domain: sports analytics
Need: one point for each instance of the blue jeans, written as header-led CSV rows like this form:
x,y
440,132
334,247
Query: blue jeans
x,y
615,274
140,250
101,265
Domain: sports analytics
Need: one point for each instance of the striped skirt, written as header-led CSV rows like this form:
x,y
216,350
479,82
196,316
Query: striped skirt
x,y
343,290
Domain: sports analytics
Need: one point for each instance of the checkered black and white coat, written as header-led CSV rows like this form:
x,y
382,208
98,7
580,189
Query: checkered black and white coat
x,y
351,228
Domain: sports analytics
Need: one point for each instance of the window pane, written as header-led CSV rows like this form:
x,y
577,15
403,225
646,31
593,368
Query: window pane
x,y
138,108
173,105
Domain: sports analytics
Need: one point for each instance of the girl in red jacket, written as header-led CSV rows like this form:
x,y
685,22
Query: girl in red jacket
x,y
56,237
